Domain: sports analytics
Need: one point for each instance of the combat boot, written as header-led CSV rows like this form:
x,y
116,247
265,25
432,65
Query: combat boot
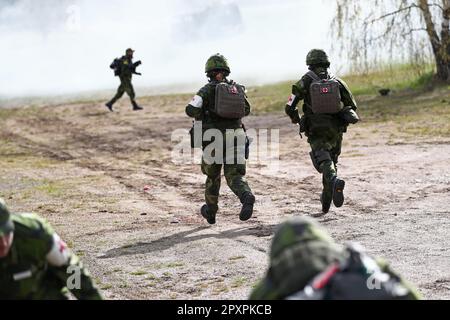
x,y
338,192
209,213
136,107
248,200
109,105
326,203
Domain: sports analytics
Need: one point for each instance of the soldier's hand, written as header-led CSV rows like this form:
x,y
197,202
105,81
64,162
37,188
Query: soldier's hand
x,y
138,63
295,120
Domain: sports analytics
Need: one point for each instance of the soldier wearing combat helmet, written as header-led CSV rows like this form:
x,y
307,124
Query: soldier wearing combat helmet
x,y
328,108
307,264
220,106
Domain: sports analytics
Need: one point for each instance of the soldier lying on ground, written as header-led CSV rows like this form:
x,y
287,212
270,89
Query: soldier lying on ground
x,y
36,264
306,264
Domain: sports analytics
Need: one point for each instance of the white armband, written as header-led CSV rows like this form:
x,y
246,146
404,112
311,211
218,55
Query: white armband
x,y
196,102
291,100
59,255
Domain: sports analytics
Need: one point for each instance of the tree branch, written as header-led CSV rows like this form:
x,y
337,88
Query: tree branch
x,y
412,6
430,27
413,30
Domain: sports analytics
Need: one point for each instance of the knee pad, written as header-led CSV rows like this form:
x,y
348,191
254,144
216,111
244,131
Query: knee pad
x,y
318,157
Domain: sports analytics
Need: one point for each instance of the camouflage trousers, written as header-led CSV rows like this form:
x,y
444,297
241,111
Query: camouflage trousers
x,y
234,174
333,144
125,86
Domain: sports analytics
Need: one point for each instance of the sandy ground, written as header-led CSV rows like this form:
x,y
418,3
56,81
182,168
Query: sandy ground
x,y
85,169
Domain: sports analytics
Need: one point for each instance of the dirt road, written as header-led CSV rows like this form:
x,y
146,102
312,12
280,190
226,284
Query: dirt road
x,y
85,170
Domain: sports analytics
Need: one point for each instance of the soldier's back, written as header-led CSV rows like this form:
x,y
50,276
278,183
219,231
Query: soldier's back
x,y
210,119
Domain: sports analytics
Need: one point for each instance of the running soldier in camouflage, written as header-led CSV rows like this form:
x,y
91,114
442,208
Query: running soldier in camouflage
x,y
35,264
328,109
220,105
124,68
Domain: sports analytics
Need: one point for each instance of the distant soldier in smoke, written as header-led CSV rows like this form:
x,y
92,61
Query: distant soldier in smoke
x,y
124,68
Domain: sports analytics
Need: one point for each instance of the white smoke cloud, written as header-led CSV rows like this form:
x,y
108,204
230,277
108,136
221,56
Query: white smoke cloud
x,y
65,46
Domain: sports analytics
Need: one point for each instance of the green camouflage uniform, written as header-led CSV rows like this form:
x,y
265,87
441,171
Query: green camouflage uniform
x,y
39,266
300,251
324,131
200,109
234,173
125,74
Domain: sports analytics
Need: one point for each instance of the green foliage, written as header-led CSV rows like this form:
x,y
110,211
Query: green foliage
x,y
396,78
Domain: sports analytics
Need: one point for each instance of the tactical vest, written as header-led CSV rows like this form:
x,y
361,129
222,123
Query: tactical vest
x,y
325,95
229,100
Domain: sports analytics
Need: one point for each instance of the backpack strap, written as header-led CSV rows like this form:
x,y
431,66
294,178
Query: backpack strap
x,y
313,76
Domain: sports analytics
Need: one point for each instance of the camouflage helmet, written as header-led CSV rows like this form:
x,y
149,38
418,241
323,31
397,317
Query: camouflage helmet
x,y
129,50
300,250
298,231
317,57
217,62
6,225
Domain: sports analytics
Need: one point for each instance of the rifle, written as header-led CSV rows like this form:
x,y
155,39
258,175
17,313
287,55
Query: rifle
x,y
134,66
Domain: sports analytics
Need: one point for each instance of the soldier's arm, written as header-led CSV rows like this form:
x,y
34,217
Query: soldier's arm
x,y
248,107
298,94
346,95
195,108
68,268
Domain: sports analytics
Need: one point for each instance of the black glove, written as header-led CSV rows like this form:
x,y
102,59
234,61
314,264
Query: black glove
x,y
349,116
137,63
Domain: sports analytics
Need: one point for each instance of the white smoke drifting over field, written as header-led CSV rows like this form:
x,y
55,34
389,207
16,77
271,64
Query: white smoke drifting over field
x,y
65,46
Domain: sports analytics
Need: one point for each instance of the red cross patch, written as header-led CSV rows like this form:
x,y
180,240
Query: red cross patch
x,y
62,246
233,90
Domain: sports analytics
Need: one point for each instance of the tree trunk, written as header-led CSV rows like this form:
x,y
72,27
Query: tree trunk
x,y
440,46
445,38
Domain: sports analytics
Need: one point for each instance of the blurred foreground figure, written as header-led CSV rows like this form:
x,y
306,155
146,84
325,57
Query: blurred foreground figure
x,y
328,109
306,264
35,264
124,68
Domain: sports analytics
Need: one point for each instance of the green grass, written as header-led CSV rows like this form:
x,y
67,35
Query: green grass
x,y
138,273
51,188
238,282
270,98
396,78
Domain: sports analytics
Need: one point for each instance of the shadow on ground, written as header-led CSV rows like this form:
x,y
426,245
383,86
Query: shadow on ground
x,y
168,242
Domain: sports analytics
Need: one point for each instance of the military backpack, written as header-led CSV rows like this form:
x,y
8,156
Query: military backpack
x,y
116,65
325,94
358,277
230,100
